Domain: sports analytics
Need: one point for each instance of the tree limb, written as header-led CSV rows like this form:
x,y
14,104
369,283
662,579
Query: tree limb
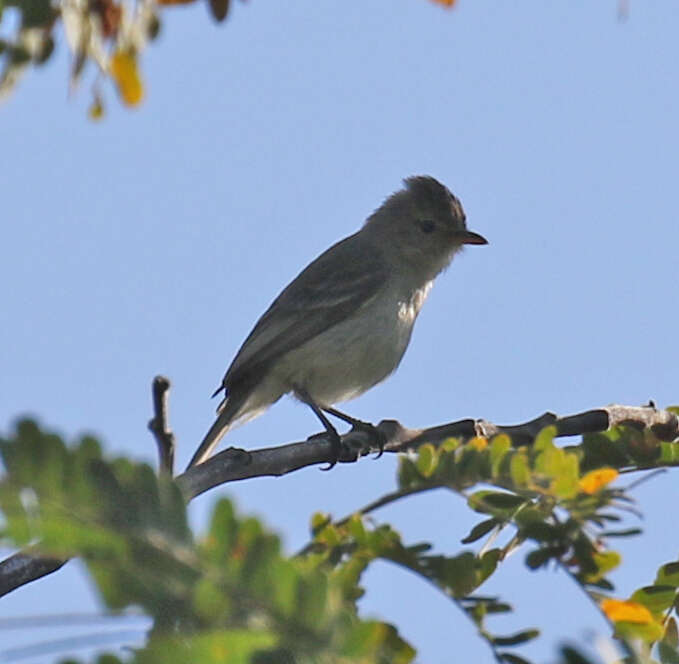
x,y
22,568
235,464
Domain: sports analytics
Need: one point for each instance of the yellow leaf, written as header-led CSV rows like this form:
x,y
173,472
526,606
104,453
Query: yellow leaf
x,y
96,110
124,72
597,479
478,443
619,610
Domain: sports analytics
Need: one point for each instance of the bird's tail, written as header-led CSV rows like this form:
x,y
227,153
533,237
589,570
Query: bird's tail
x,y
228,413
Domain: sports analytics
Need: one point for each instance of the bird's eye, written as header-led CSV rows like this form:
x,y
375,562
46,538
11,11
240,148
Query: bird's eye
x,y
426,225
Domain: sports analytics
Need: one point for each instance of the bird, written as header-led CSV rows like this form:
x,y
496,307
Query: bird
x,y
344,323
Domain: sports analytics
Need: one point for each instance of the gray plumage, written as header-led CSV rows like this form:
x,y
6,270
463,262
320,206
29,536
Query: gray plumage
x,y
343,324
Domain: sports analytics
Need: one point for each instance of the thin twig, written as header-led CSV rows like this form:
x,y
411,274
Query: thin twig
x,y
160,427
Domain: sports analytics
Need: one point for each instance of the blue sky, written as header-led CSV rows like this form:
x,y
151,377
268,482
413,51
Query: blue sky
x,y
150,243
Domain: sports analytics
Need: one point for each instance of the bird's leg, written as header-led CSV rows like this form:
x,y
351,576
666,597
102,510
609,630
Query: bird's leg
x,y
335,440
360,425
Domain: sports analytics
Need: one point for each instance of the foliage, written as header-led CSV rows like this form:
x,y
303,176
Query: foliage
x,y
111,35
231,595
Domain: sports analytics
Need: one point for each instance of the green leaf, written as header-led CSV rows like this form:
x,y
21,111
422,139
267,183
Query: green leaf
x,y
498,607
572,656
671,633
516,639
510,658
655,598
604,561
565,484
668,654
489,561
629,532
669,453
543,555
427,460
480,529
319,520
541,531
457,574
668,575
408,475
545,439
368,638
519,470
234,646
500,504
647,632
499,447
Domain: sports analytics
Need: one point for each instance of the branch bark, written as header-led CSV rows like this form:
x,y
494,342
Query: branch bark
x,y
159,424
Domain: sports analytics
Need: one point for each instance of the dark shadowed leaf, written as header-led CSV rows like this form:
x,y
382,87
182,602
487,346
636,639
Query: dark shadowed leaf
x,y
479,530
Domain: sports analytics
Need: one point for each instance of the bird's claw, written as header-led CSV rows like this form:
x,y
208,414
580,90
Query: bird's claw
x,y
340,450
378,437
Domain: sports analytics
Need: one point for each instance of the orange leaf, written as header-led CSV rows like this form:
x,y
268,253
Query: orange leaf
x,y
478,443
126,75
597,479
619,610
445,3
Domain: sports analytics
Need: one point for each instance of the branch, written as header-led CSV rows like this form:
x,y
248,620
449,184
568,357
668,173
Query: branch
x,y
159,425
234,464
22,568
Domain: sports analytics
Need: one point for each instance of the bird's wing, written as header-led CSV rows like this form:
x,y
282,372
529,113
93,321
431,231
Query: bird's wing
x,y
330,289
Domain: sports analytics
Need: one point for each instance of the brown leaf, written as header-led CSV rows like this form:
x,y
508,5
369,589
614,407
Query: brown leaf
x,y
219,9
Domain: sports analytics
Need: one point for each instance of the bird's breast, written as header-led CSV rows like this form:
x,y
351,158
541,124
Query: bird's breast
x,y
361,351
410,306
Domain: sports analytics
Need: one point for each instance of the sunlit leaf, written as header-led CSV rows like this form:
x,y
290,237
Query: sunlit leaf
x,y
597,479
499,447
668,575
545,439
519,470
124,71
618,610
427,458
605,562
669,453
647,632
655,598
478,443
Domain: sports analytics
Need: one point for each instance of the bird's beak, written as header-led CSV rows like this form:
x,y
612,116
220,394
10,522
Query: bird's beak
x,y
469,237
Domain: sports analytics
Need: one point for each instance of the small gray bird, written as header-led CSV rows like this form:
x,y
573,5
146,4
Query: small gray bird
x,y
345,321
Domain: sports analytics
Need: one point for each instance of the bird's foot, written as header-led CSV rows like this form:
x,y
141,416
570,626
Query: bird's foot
x,y
340,451
378,438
